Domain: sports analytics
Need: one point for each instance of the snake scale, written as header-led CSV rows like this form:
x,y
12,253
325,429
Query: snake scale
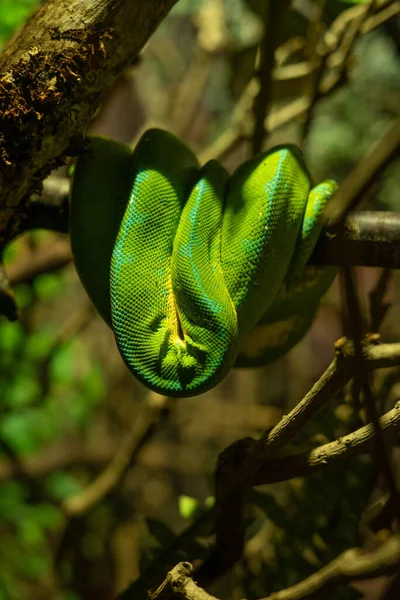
x,y
197,271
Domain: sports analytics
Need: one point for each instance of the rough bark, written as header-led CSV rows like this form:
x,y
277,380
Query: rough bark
x,y
53,77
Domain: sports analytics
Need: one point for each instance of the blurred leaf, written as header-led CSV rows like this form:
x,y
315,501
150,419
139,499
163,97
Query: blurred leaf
x,y
69,595
62,484
93,384
11,336
25,391
35,565
16,430
30,532
39,343
253,526
187,7
47,516
209,502
13,13
260,7
23,295
191,549
11,494
47,286
26,430
187,506
92,546
61,367
160,531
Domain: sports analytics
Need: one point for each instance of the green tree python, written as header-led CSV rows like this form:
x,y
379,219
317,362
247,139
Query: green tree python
x,y
197,271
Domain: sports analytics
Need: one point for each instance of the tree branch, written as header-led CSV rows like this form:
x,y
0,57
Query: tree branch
x,y
352,564
179,583
239,464
142,429
367,170
273,14
305,463
53,77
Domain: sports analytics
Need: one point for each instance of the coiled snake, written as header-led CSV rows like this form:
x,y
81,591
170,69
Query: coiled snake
x,y
197,271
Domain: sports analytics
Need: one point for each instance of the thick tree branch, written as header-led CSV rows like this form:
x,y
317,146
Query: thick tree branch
x,y
52,79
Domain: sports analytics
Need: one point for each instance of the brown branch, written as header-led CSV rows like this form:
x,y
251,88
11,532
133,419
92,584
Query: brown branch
x,y
318,61
50,257
239,128
53,77
179,584
377,305
349,566
339,59
367,170
239,464
143,428
272,20
362,380
333,36
367,238
323,457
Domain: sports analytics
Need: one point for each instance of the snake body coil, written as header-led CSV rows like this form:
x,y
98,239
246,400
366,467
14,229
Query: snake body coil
x,y
195,270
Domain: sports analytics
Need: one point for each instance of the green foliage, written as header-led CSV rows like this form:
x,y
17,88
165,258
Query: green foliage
x,y
24,528
60,485
13,14
49,389
47,286
37,410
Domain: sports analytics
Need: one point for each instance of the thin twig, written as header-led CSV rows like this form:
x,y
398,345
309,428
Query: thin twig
x,y
239,128
238,465
361,374
367,170
143,428
179,583
323,457
351,565
338,60
377,305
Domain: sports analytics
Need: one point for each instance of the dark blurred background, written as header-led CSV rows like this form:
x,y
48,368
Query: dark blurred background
x,y
67,400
